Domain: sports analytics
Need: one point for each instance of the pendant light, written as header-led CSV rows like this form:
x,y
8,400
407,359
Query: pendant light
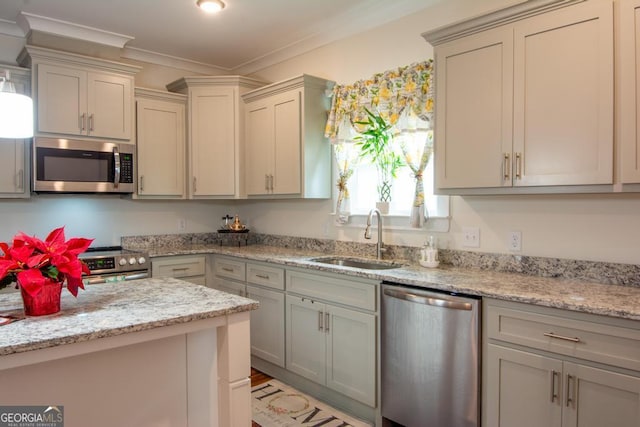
x,y
16,111
210,6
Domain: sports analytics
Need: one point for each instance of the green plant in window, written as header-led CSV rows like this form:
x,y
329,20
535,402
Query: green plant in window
x,y
375,145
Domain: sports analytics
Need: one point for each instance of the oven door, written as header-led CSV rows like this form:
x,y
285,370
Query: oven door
x,y
75,166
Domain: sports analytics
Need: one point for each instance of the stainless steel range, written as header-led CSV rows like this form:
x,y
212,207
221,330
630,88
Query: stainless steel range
x,y
115,264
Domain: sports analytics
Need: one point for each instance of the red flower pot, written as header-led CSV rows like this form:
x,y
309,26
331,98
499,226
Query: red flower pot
x,y
47,301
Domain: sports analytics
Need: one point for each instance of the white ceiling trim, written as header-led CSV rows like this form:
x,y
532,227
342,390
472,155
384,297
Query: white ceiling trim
x,y
30,22
171,61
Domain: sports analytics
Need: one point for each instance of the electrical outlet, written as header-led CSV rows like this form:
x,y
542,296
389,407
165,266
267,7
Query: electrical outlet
x,y
515,241
182,224
471,237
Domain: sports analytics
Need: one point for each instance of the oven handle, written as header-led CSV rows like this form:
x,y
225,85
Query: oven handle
x,y
116,161
96,280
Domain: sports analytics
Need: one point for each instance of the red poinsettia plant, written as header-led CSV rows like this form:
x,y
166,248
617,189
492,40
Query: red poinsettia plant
x,y
34,263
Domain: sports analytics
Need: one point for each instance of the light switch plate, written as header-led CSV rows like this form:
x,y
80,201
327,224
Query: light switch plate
x,y
471,237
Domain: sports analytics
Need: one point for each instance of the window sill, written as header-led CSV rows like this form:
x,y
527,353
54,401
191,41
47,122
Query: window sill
x,y
396,223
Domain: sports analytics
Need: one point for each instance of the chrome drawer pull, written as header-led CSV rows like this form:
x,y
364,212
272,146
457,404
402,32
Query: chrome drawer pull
x,y
229,270
561,337
320,321
569,399
553,395
262,276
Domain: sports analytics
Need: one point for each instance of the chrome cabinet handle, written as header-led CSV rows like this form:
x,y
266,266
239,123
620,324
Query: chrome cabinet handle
x,y
81,122
554,394
518,165
266,182
262,276
230,270
320,321
326,326
506,166
569,399
561,337
20,180
91,122
141,182
195,182
179,268
271,183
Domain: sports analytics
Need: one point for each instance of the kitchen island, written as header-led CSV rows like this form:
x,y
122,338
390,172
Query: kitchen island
x,y
148,352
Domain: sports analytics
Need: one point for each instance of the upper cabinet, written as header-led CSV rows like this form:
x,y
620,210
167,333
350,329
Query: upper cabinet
x,y
526,106
14,153
628,90
215,134
286,152
161,143
77,95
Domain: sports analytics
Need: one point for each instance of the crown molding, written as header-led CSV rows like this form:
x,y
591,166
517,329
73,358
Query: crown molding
x,y
35,54
171,61
29,22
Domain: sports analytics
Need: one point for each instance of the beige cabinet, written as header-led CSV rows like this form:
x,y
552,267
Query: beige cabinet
x,y
190,268
81,96
628,90
330,341
285,149
526,104
544,367
161,144
215,134
265,284
14,153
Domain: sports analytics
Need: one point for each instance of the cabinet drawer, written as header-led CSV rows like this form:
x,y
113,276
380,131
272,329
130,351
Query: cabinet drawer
x,y
552,331
350,292
272,277
229,268
178,266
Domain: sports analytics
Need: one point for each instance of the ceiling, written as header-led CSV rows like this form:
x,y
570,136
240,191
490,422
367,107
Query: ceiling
x,y
247,34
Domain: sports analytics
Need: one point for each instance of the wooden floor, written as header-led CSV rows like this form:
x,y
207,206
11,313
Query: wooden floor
x,y
258,378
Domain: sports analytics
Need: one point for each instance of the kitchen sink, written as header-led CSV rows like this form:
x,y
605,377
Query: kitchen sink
x,y
358,263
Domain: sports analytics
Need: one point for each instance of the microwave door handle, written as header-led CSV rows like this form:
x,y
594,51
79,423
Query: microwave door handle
x,y
116,163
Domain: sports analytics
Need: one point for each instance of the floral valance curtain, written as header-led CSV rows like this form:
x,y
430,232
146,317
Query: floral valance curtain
x,y
389,93
404,98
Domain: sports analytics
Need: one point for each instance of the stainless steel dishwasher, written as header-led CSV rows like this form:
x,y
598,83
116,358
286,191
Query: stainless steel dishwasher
x,y
430,358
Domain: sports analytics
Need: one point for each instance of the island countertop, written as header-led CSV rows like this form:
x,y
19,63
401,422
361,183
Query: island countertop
x,y
569,294
113,309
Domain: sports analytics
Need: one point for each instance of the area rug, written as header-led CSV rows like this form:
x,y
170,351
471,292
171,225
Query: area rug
x,y
278,405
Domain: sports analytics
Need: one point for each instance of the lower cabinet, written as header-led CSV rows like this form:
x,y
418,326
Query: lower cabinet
x,y
190,268
328,342
264,284
332,346
568,377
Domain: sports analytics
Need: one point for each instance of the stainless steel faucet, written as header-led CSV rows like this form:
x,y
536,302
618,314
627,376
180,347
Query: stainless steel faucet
x,y
367,232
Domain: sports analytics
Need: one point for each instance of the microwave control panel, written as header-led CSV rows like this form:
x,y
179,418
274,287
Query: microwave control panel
x,y
126,168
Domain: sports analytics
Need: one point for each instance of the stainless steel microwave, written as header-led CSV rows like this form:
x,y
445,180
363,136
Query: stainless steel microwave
x,y
76,166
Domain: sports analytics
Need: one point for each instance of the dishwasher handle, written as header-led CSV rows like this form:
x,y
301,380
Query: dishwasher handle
x,y
427,300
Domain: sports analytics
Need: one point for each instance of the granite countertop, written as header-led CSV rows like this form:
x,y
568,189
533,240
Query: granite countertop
x,y
570,294
112,309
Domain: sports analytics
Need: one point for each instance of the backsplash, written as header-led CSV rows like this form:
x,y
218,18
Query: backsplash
x,y
601,272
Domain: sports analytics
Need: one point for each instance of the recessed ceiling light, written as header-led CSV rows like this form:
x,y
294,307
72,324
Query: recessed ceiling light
x,y
210,6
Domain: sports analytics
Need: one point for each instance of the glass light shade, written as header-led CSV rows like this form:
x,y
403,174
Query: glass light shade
x,y
16,115
210,6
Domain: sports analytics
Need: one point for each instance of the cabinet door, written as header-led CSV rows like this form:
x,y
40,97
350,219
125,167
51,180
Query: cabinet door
x,y
563,97
13,177
351,353
229,286
212,142
596,397
523,390
109,103
287,142
161,146
258,148
628,91
306,338
62,100
474,111
267,325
